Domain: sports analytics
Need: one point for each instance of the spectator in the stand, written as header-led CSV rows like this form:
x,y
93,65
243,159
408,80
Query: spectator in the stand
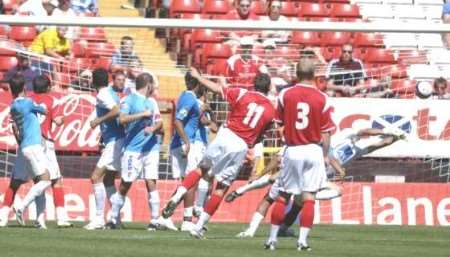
x,y
85,6
278,67
242,12
23,67
345,75
31,8
274,14
64,9
125,57
53,43
440,89
243,67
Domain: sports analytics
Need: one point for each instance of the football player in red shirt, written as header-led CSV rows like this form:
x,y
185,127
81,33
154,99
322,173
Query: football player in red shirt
x,y
41,87
251,113
305,114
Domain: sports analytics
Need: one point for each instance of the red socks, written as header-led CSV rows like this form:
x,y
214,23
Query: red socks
x,y
58,196
277,216
307,214
212,204
9,197
191,179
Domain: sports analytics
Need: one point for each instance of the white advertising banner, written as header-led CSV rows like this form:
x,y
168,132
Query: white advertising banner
x,y
425,122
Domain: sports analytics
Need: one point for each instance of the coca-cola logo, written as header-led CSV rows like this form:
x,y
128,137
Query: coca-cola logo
x,y
74,135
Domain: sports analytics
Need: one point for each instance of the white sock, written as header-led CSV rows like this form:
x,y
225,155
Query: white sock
x,y
99,195
4,213
181,190
259,183
36,190
110,191
303,235
61,214
254,223
203,188
202,220
153,203
40,205
273,233
118,200
188,212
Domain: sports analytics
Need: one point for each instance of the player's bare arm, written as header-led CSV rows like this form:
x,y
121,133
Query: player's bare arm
x,y
112,114
179,128
340,171
325,145
213,86
127,118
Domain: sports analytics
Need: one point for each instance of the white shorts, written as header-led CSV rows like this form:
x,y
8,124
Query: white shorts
x,y
30,162
181,166
225,155
22,169
139,165
303,169
111,155
54,170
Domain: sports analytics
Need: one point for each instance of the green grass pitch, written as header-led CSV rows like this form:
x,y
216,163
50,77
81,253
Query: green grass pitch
x,y
134,240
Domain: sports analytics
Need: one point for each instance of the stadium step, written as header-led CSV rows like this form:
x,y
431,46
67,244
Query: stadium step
x,y
148,48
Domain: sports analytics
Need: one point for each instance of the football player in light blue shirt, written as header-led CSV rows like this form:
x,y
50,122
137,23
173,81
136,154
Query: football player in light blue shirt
x,y
187,148
112,136
27,130
141,118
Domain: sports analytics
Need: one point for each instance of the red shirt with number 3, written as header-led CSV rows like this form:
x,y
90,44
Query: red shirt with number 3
x,y
251,113
305,113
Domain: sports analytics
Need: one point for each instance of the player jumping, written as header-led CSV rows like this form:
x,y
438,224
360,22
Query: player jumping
x,y
251,113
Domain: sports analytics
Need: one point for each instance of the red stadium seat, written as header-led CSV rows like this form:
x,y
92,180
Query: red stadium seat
x,y
378,55
368,40
78,64
215,7
306,38
217,67
7,62
92,34
104,63
97,49
289,9
396,71
313,10
258,7
6,48
23,34
323,19
215,50
335,38
328,53
404,87
206,36
184,6
79,48
345,11
287,52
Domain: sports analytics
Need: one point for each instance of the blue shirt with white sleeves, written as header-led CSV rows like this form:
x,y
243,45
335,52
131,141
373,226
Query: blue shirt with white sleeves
x,y
24,114
136,140
108,98
188,112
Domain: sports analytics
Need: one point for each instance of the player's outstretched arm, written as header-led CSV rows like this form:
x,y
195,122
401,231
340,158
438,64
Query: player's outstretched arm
x,y
326,144
213,86
340,171
127,118
386,141
112,114
370,132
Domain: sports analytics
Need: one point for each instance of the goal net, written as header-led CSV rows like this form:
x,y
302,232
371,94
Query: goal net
x,y
374,80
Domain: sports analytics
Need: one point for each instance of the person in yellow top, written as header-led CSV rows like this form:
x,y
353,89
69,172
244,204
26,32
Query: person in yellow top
x,y
52,42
